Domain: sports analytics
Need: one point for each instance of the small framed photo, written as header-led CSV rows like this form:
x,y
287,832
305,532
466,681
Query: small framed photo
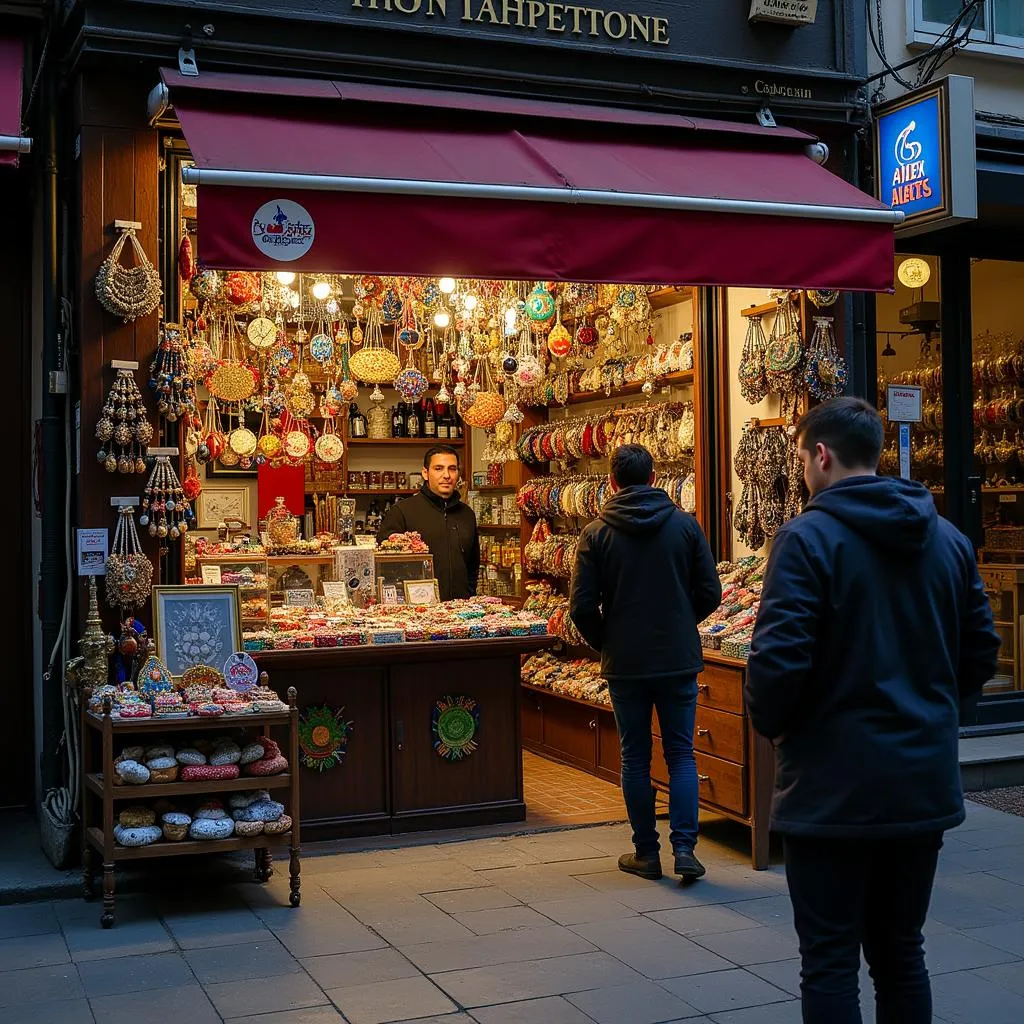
x,y
421,592
196,625
388,593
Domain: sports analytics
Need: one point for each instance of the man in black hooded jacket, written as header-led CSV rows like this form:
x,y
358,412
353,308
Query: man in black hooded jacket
x,y
644,578
873,631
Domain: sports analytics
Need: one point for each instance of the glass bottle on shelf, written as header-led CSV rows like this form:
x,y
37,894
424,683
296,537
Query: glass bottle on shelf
x,y
396,421
442,421
356,422
373,517
429,418
412,421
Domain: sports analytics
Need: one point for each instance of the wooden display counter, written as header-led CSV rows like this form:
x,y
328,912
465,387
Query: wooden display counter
x,y
735,766
392,780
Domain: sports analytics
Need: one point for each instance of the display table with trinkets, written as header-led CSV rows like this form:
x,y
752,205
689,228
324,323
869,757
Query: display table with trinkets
x,y
405,736
163,781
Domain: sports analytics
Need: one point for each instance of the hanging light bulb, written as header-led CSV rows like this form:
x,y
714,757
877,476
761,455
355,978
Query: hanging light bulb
x,y
285,277
295,300
332,307
510,320
470,302
447,285
442,319
321,290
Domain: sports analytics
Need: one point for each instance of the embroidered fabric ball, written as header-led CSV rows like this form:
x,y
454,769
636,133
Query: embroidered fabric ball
x,y
133,754
190,755
252,752
263,810
211,809
276,828
143,835
211,828
209,772
248,828
157,763
132,772
136,817
237,801
227,754
159,750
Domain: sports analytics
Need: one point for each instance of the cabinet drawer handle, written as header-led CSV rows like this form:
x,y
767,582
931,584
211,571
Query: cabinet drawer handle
x,y
703,778
703,688
592,723
703,732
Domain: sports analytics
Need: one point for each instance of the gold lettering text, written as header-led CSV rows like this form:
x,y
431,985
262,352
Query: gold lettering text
x,y
640,26
659,31
441,8
535,11
555,12
577,13
621,25
408,6
488,13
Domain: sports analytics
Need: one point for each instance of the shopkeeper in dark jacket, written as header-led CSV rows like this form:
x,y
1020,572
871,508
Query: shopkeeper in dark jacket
x,y
445,522
644,578
874,630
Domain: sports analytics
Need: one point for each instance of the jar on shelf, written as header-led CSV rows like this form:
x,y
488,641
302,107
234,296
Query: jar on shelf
x,y
282,526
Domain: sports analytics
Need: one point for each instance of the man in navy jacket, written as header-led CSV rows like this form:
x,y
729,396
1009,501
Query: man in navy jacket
x,y
873,631
644,578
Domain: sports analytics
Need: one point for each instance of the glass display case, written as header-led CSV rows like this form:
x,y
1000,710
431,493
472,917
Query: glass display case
x,y
249,572
298,579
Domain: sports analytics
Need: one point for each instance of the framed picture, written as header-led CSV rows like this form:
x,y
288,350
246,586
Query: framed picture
x,y
393,569
388,593
216,505
421,592
195,625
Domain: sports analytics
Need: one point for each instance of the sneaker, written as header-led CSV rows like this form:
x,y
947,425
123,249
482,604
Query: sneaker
x,y
688,866
648,866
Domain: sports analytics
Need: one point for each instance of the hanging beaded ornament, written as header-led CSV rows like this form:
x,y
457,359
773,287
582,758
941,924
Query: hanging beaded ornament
x,y
129,573
165,510
826,371
123,427
411,384
753,383
269,444
231,379
214,440
408,332
559,339
540,305
128,292
186,264
328,446
784,355
170,376
374,363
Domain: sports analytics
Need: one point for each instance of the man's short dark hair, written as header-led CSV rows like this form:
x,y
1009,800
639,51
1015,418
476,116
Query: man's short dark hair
x,y
631,465
438,449
849,426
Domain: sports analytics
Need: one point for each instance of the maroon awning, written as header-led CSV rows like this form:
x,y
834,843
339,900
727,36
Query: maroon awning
x,y
12,142
512,189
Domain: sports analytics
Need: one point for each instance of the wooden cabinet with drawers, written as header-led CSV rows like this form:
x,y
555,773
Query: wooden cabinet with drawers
x,y
735,766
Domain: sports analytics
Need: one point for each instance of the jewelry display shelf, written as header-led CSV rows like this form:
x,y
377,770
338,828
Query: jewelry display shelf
x,y
417,442
99,793
681,378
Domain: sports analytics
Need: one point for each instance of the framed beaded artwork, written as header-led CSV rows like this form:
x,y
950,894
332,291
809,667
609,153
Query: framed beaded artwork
x,y
195,625
421,592
217,505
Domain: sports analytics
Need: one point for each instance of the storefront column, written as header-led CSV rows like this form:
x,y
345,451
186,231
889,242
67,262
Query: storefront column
x,y
963,492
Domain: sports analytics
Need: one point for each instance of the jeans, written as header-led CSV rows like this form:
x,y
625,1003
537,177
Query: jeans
x,y
633,700
850,894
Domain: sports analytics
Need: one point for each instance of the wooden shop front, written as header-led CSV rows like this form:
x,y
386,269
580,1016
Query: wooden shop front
x,y
362,72
391,779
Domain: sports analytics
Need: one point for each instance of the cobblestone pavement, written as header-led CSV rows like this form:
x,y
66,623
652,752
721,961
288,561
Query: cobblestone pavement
x,y
538,929
1009,799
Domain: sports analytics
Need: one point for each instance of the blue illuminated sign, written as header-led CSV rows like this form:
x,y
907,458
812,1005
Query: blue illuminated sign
x,y
911,157
925,160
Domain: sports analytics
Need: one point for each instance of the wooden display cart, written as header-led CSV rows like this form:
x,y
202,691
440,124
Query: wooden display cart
x,y
99,736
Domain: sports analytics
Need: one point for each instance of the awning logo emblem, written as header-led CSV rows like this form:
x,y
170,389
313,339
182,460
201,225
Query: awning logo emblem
x,y
283,230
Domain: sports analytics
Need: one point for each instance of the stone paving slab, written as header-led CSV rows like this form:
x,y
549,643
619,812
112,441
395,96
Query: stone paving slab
x,y
538,929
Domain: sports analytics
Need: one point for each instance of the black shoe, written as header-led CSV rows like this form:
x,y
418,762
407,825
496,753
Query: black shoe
x,y
648,866
688,866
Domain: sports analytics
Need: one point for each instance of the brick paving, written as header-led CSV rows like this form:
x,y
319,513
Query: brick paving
x,y
525,929
557,795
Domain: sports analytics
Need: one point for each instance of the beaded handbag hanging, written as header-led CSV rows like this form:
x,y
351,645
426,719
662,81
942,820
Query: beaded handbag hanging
x,y
785,353
128,292
826,371
123,428
129,573
753,383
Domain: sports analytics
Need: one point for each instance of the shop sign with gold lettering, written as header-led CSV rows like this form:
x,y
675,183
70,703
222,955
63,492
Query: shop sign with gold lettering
x,y
540,17
784,12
